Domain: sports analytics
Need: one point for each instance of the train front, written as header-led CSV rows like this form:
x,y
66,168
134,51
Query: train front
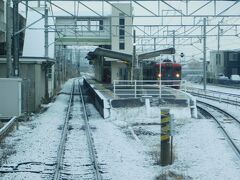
x,y
169,73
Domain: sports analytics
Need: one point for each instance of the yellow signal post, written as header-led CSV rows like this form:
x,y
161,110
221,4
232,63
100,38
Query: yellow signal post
x,y
166,150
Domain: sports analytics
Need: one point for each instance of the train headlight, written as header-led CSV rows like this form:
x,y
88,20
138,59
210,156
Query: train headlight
x,y
159,75
178,75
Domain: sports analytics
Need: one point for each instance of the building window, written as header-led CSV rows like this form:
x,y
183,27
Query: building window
x,y
121,45
82,25
121,33
94,25
233,56
121,21
50,72
100,25
234,71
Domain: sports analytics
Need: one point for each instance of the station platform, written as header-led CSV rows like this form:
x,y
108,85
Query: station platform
x,y
107,97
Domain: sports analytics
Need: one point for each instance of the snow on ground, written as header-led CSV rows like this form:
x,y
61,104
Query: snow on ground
x,y
122,157
35,141
208,154
203,153
126,150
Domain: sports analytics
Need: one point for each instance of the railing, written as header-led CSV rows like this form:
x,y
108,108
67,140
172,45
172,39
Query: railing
x,y
221,97
5,129
142,88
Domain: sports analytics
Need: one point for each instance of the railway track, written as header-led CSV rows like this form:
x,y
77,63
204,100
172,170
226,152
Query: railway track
x,y
73,160
63,137
7,127
75,157
233,99
229,124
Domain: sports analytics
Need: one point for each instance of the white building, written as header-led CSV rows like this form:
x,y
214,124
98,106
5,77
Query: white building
x,y
122,39
112,32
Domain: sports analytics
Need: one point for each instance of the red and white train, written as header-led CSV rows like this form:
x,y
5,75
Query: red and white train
x,y
170,72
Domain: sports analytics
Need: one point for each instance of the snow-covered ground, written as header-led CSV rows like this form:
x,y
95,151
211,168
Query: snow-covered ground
x,y
125,148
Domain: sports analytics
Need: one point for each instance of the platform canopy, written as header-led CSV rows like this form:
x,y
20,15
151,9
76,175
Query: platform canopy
x,y
156,53
125,56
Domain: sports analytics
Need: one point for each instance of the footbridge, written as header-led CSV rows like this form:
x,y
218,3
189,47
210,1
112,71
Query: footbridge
x,y
83,30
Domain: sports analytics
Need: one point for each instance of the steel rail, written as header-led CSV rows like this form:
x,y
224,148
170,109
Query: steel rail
x,y
219,92
135,0
7,127
63,137
97,172
221,110
236,149
224,100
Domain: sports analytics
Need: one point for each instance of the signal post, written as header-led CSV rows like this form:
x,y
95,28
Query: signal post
x,y
166,136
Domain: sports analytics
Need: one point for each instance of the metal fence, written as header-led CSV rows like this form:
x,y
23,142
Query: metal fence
x,y
143,88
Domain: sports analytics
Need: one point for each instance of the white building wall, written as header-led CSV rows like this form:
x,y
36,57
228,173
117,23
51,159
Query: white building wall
x,y
115,40
126,8
216,68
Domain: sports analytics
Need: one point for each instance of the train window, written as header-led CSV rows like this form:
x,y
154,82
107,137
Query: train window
x,y
178,69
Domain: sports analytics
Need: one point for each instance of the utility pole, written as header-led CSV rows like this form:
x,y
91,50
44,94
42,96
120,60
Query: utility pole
x,y
15,39
8,39
79,57
46,30
137,74
154,47
46,50
174,44
218,48
204,55
218,37
59,65
134,62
